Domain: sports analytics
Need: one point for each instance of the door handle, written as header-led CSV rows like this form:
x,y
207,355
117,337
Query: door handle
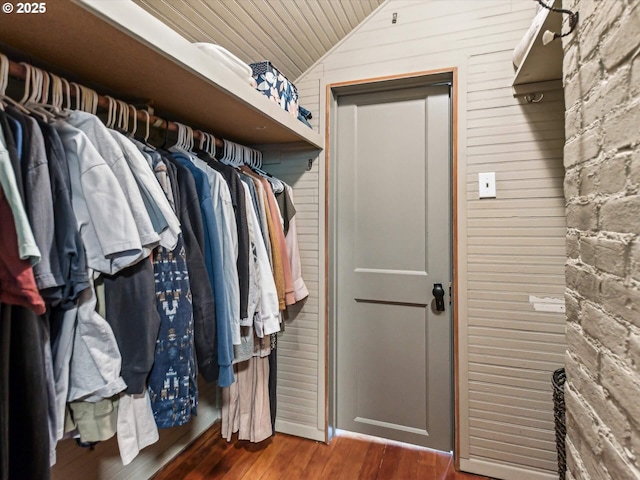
x,y
438,293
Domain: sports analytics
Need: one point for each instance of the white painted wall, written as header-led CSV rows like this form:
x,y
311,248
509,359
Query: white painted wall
x,y
511,248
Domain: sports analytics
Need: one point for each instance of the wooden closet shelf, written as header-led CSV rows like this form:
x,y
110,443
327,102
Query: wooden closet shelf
x,y
119,46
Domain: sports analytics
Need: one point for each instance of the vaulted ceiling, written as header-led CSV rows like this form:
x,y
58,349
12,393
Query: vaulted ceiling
x,y
292,34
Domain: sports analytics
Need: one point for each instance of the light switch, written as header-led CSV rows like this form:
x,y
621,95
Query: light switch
x,y
487,185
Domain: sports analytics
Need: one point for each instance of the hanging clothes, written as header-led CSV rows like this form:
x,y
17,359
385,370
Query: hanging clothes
x,y
215,202
172,384
97,226
204,313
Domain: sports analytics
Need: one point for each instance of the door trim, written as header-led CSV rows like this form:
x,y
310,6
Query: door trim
x,y
333,90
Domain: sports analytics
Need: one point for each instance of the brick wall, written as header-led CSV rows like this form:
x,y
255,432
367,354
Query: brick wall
x,y
602,189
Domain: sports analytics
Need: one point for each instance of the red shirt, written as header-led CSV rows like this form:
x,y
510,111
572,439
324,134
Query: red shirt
x,y
17,283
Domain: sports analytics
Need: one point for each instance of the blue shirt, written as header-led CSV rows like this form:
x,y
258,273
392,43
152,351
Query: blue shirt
x,y
214,262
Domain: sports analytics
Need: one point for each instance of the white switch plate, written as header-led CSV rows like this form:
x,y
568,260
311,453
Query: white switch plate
x,y
487,185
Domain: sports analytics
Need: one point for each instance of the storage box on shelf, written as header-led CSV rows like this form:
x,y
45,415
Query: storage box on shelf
x,y
277,87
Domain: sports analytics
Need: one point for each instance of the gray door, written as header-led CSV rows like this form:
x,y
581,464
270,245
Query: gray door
x,y
393,242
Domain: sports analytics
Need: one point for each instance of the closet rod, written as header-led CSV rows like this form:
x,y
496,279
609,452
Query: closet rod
x,y
19,71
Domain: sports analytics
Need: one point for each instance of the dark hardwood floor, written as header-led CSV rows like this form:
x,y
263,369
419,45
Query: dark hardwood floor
x,y
292,458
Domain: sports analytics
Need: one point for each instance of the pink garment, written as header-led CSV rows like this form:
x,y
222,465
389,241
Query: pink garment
x,y
299,288
289,295
245,404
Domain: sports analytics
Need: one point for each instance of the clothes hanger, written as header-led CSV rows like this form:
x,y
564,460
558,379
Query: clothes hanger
x,y
4,82
135,121
147,131
67,90
33,94
109,121
124,116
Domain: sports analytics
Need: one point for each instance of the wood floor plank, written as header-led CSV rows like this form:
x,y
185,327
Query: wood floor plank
x,y
372,462
211,457
266,457
303,455
430,464
191,456
338,458
390,463
320,460
354,463
408,465
282,460
219,450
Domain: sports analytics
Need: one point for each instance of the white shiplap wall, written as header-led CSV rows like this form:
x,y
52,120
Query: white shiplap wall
x,y
511,248
301,345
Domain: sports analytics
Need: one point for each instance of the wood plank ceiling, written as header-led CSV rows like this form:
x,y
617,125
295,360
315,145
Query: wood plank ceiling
x,y
292,34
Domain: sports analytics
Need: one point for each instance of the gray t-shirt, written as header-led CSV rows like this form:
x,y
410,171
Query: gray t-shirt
x,y
110,151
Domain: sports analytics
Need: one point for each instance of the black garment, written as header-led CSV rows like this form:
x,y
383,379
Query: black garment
x,y
71,254
273,384
39,207
204,313
130,309
242,224
287,208
5,336
13,151
28,449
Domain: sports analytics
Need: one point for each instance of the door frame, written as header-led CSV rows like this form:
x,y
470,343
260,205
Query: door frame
x,y
370,85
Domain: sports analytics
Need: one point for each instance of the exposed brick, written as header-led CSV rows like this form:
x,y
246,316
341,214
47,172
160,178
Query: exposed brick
x,y
574,463
589,180
589,75
572,308
635,76
622,384
583,216
582,281
593,109
571,179
611,256
608,414
570,67
590,34
617,465
602,157
634,170
608,13
616,88
621,214
588,250
592,464
582,148
634,260
612,174
579,417
572,246
618,130
615,48
635,446
620,299
573,121
606,176
634,354
586,11
605,329
582,349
